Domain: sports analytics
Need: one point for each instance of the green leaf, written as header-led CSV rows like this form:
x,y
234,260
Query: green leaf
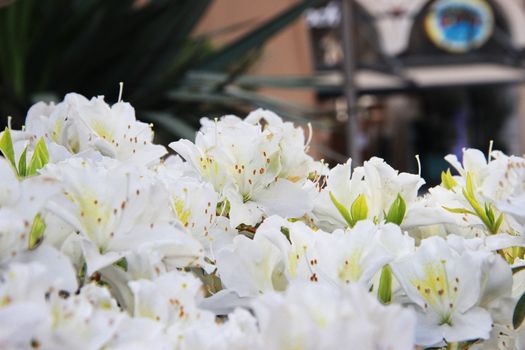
x,y
82,273
470,186
447,180
286,232
397,211
36,236
22,164
384,293
459,211
122,263
319,81
39,159
230,54
519,312
475,205
342,210
485,214
169,122
498,222
6,147
489,212
359,210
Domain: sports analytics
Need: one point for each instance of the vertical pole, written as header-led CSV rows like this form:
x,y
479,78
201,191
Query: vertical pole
x,y
352,127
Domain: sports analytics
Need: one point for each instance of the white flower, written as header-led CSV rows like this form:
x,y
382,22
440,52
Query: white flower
x,y
341,257
238,332
22,304
445,288
296,164
138,334
250,267
20,202
375,183
501,338
84,321
171,300
110,206
322,316
194,204
25,316
243,162
145,263
106,246
79,125
297,244
352,256
482,201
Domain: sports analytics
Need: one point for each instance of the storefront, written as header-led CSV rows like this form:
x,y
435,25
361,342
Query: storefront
x,y
431,77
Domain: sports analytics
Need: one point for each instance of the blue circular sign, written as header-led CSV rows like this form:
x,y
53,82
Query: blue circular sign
x,y
459,25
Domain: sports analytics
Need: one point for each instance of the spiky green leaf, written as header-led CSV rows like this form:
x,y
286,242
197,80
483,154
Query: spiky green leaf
x,y
384,292
36,236
6,147
470,185
230,54
498,222
397,211
459,210
447,180
22,164
39,159
122,263
359,209
342,210
489,212
286,232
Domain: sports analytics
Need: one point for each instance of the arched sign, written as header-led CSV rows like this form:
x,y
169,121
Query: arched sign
x,y
459,25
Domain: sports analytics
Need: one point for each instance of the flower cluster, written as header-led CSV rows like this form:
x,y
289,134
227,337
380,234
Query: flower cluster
x,y
241,240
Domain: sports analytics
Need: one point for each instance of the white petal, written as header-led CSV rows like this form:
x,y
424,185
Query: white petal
x,y
476,323
287,199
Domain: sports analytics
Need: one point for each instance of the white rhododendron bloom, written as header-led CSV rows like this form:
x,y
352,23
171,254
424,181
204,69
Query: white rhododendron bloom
x,y
241,240
369,192
446,288
350,256
20,204
322,316
78,125
109,206
482,201
256,168
250,267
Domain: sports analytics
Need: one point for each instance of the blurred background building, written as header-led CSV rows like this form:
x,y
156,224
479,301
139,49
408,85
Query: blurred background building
x,y
429,77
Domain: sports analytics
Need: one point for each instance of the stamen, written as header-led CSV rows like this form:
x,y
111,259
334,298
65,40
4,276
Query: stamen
x,y
309,139
418,165
121,89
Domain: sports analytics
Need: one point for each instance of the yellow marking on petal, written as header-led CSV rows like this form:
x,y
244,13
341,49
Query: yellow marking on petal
x,y
182,213
293,178
57,130
293,261
435,289
351,270
93,214
100,128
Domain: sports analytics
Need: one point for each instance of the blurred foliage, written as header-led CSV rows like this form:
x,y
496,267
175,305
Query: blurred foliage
x,y
49,48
